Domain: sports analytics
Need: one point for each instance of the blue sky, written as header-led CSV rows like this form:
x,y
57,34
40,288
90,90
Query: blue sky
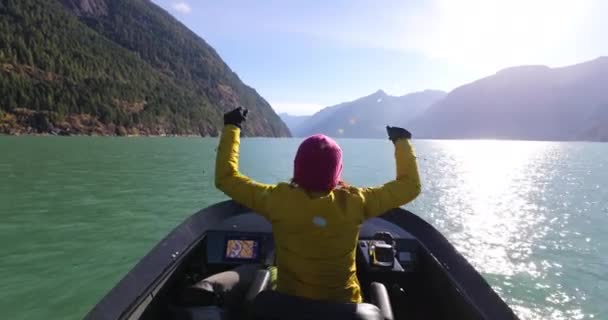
x,y
302,55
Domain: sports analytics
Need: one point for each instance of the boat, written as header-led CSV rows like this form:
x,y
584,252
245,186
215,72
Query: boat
x,y
407,270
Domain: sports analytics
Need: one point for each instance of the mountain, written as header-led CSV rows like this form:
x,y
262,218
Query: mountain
x,y
367,117
115,67
293,122
528,102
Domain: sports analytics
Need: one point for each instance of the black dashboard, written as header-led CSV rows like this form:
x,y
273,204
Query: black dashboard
x,y
247,238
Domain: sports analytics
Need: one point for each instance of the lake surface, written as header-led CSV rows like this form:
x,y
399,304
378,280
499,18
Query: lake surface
x,y
77,213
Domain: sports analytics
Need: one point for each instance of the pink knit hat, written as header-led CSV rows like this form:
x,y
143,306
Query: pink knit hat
x,y
318,164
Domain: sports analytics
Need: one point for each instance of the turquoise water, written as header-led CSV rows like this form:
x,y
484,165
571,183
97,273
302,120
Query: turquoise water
x,y
77,213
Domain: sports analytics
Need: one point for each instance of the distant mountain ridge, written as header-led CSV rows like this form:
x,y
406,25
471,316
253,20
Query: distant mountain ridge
x,y
293,122
521,103
527,102
367,117
115,67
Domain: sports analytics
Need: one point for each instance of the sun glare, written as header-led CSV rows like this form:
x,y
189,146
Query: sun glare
x,y
498,33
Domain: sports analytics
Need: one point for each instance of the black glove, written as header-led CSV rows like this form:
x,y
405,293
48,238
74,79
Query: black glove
x,y
236,117
396,133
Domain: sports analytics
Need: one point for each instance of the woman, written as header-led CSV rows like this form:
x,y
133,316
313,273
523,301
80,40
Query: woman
x,y
316,218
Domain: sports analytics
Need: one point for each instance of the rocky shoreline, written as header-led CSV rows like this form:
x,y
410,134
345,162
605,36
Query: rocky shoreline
x,y
52,134
44,123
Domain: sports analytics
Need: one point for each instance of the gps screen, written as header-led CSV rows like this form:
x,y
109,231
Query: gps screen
x,y
241,249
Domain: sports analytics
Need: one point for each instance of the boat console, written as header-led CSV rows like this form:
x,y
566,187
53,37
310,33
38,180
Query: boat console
x,y
382,258
385,256
248,239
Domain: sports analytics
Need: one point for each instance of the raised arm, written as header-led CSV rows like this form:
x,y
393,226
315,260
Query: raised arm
x,y
228,179
406,186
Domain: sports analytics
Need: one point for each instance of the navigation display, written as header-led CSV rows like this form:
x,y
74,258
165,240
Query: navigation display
x,y
241,249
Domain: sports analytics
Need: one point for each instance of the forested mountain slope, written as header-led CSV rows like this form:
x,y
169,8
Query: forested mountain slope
x,y
115,67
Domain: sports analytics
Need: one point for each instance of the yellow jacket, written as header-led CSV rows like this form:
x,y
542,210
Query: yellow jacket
x,y
315,235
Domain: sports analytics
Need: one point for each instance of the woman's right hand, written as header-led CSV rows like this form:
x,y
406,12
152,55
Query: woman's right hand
x,y
236,117
396,133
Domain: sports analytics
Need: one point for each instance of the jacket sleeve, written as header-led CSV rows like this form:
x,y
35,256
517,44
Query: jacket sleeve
x,y
405,188
254,195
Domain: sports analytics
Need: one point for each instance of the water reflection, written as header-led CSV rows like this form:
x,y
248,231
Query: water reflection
x,y
494,208
497,222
